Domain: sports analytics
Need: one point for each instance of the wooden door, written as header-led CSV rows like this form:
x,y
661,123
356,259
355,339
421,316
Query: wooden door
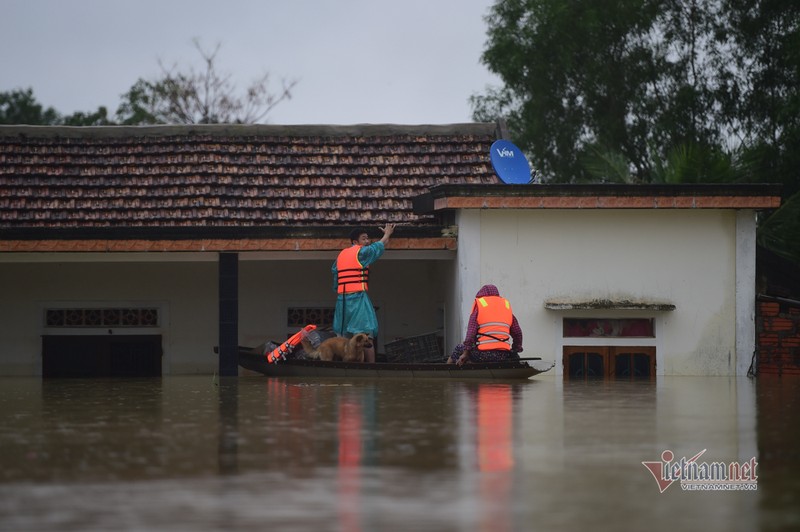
x,y
618,362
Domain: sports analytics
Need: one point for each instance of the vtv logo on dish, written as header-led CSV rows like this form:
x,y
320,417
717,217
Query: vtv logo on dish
x,y
504,152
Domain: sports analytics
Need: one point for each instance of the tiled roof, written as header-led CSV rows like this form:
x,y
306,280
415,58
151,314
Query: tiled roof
x,y
232,176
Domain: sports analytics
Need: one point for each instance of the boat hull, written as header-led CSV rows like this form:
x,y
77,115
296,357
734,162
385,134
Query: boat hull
x,y
254,360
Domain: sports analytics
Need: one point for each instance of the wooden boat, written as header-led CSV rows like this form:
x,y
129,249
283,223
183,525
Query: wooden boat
x,y
253,359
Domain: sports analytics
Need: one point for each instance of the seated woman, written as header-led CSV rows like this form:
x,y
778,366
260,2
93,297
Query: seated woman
x,y
491,329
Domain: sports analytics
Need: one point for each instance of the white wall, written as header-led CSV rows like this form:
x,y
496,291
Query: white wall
x,y
702,261
684,257
466,277
745,290
409,294
185,293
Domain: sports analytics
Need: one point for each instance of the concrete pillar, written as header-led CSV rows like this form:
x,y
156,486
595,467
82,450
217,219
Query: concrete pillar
x,y
228,314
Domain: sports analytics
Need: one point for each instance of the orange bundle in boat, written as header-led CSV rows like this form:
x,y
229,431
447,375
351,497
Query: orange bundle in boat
x,y
280,352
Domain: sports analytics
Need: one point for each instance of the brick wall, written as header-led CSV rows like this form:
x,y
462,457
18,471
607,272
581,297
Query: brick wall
x,y
778,336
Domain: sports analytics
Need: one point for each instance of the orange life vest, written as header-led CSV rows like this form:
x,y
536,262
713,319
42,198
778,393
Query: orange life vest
x,y
351,275
280,352
494,323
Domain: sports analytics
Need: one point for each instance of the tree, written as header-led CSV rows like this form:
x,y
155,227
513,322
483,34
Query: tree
x,y
779,232
202,96
765,86
653,91
631,85
97,118
186,96
19,106
563,94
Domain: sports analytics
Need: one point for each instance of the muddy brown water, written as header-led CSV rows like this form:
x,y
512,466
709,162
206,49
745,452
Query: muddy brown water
x,y
198,453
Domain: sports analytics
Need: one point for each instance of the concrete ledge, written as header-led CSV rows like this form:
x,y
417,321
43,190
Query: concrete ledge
x,y
608,304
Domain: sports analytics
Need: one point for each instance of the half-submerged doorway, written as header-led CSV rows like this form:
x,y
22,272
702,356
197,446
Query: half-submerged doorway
x,y
96,356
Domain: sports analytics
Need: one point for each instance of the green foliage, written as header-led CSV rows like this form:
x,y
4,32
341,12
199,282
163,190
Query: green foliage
x,y
138,105
684,163
20,107
98,118
652,91
764,88
780,231
648,90
606,165
576,74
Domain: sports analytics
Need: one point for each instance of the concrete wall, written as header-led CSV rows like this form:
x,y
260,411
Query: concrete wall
x,y
409,295
684,257
702,261
185,293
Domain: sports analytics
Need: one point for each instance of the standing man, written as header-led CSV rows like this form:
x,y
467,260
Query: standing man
x,y
354,312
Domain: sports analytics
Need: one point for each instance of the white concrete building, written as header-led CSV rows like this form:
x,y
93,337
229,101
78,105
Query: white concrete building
x,y
608,283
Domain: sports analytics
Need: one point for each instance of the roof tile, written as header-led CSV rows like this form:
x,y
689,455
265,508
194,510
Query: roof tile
x,y
242,176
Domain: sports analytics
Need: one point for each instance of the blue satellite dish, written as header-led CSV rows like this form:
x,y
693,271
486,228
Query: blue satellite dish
x,y
510,163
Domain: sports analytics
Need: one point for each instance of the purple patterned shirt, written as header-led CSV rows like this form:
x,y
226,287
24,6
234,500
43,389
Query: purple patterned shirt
x,y
471,339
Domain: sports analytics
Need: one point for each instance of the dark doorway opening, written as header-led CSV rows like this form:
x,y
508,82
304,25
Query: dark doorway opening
x,y
101,356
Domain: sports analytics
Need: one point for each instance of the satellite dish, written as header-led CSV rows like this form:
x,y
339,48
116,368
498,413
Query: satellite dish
x,y
510,163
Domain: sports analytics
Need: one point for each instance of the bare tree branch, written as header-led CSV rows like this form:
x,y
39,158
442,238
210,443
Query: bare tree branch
x,y
200,96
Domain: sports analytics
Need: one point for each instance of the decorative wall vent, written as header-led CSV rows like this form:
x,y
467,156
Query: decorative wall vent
x,y
101,317
302,316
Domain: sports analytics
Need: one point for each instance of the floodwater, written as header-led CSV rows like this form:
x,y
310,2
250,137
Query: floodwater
x,y
198,453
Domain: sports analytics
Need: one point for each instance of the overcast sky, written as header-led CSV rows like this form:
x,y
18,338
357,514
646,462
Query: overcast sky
x,y
355,61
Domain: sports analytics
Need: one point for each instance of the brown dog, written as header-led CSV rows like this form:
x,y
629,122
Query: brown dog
x,y
338,348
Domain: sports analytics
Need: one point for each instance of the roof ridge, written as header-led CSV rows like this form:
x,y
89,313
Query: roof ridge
x,y
250,130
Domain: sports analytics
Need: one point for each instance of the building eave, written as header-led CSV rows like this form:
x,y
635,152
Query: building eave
x,y
204,239
205,245
599,196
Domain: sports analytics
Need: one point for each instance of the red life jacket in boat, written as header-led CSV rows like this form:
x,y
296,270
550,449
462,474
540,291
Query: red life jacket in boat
x,y
351,275
280,352
494,323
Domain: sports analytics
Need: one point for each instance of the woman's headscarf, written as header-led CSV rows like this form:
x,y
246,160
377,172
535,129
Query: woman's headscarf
x,y
487,290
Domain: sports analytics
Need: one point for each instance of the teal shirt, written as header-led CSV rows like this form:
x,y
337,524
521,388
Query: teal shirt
x,y
356,309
